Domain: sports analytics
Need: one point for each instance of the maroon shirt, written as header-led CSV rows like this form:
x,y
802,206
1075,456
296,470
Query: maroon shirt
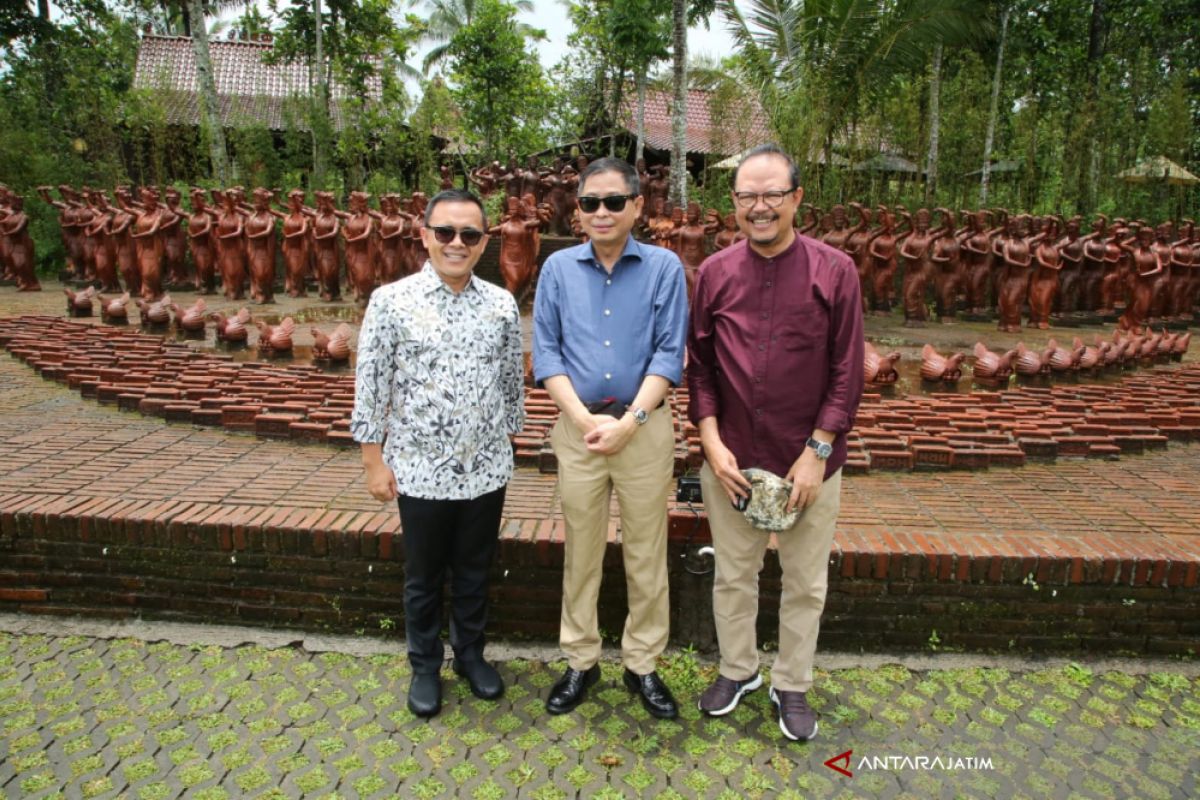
x,y
775,350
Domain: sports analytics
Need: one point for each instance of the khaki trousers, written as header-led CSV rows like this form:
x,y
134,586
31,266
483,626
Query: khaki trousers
x,y
804,560
641,475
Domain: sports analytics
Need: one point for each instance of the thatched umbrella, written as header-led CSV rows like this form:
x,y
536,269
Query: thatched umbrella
x,y
1158,168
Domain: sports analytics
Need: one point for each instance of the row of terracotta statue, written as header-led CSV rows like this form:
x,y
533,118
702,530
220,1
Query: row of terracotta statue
x,y
1152,273
1123,349
17,261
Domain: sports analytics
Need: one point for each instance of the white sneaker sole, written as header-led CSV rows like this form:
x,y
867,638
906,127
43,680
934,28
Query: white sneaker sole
x,y
746,689
783,728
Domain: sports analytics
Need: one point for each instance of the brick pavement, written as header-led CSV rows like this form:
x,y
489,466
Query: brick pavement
x,y
83,716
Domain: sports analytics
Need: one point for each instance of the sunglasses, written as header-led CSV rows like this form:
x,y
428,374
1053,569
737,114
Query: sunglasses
x,y
614,202
468,236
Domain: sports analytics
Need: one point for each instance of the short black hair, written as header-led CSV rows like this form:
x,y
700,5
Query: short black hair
x,y
455,196
769,149
632,184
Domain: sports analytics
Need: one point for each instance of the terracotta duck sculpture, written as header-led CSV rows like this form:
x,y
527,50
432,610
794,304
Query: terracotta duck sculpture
x,y
232,329
993,366
1166,345
156,312
1031,362
1089,357
332,346
114,309
1060,358
1111,352
276,339
1181,345
1149,347
191,318
937,367
79,304
879,369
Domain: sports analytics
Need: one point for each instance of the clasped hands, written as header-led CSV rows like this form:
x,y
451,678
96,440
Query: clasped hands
x,y
606,435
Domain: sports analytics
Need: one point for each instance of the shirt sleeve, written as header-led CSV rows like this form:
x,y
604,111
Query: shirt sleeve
x,y
547,327
703,400
845,353
670,322
374,374
512,372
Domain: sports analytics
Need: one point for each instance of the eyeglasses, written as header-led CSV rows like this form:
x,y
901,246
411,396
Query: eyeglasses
x,y
614,202
772,199
468,236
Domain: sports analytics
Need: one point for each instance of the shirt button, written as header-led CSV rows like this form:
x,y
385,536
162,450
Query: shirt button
x,y
607,312
762,347
758,412
765,315
608,282
607,343
608,376
768,284
757,379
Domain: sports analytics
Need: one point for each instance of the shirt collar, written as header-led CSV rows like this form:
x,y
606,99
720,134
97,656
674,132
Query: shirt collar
x,y
633,249
433,282
789,250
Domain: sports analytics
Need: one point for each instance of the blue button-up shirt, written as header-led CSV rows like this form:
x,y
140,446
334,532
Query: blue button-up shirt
x,y
607,332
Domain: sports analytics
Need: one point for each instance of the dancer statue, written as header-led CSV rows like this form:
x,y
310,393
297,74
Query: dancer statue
x,y
518,248
19,248
1012,284
149,244
231,245
260,247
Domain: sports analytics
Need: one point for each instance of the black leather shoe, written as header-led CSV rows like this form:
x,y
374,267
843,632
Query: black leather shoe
x,y
571,689
486,683
425,694
656,697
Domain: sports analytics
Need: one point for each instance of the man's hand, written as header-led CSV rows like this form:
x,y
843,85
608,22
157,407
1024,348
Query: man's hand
x,y
724,465
610,435
381,482
806,475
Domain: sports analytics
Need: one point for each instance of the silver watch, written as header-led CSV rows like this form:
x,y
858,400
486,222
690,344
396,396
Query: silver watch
x,y
639,415
823,449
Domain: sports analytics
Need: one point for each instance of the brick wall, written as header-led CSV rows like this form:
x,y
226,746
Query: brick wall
x,y
343,571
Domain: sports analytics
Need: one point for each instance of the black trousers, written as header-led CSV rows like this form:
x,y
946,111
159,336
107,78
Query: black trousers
x,y
458,536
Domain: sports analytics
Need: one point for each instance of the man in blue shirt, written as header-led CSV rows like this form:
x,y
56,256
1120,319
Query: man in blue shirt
x,y
609,324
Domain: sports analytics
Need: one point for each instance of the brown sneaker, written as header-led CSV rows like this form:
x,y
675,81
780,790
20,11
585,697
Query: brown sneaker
x,y
797,721
724,695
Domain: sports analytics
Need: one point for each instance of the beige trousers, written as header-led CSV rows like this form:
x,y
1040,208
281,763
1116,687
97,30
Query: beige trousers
x,y
804,560
641,475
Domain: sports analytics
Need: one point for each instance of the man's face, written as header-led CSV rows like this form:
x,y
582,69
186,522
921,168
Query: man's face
x,y
764,226
453,262
606,227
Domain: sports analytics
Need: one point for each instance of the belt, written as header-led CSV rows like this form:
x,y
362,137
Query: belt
x,y
612,407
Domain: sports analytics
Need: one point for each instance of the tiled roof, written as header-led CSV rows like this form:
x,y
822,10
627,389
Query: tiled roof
x,y
249,91
744,125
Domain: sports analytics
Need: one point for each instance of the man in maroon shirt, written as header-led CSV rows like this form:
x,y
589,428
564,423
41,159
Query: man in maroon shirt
x,y
776,374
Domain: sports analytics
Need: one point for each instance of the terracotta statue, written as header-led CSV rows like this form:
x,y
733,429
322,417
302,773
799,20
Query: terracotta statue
x,y
1165,281
120,228
79,304
174,239
558,188
513,178
231,246
1146,269
334,346
518,256
836,237
115,310
418,255
276,340
446,176
810,221
856,247
259,231
68,228
1043,285
976,251
85,215
20,256
104,255
393,224
1070,276
531,179
691,242
882,250
947,278
1117,278
729,233
666,227
1094,250
916,247
358,233
201,242
191,319
149,244
486,178
1183,280
325,241
937,367
992,366
1012,284
879,369
232,330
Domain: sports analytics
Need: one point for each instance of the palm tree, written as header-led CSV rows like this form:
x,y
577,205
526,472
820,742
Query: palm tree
x,y
678,192
448,17
812,61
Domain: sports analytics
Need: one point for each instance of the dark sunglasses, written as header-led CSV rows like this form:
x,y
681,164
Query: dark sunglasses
x,y
468,236
614,202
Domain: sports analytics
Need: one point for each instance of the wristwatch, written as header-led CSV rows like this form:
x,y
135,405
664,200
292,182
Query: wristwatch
x,y
639,415
823,449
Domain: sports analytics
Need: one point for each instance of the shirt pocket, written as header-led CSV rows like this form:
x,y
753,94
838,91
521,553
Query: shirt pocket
x,y
805,327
